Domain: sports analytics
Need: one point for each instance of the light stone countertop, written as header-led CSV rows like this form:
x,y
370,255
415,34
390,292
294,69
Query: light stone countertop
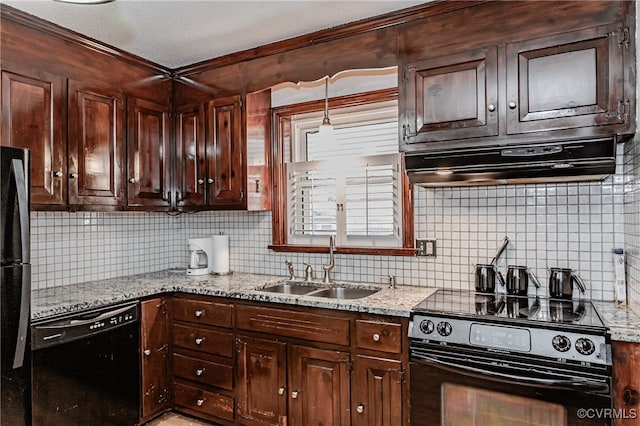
x,y
623,322
55,301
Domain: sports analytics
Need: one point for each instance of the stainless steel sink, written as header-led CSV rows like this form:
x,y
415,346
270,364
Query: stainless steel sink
x,y
298,288
344,292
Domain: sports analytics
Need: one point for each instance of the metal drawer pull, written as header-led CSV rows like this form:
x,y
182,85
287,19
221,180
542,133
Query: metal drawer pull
x,y
512,105
376,337
132,180
294,394
210,180
200,371
58,174
281,390
200,402
147,352
73,175
200,181
198,314
199,340
360,408
491,107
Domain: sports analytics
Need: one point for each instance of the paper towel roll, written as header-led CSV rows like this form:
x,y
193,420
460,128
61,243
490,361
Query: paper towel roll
x,y
220,250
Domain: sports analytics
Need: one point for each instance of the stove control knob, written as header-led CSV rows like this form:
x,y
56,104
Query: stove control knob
x,y
444,328
561,343
585,346
427,326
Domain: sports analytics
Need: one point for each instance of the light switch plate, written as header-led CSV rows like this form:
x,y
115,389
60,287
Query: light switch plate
x,y
426,247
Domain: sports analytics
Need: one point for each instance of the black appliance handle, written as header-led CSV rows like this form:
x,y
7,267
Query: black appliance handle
x,y
18,174
570,384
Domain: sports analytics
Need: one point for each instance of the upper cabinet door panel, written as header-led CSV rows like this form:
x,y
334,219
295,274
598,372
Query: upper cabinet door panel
x,y
190,157
225,153
147,154
33,117
567,81
96,146
450,97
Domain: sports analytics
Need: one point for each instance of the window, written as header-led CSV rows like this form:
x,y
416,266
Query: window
x,y
356,189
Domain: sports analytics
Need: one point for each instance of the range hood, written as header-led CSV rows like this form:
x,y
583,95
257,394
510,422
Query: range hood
x,y
580,160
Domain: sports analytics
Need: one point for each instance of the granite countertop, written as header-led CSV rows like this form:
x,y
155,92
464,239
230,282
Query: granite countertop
x,y
54,301
623,322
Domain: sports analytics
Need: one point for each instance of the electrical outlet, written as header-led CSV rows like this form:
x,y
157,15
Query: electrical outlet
x,y
426,248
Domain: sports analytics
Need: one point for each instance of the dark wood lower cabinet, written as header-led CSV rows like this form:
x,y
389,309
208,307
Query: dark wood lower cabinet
x,y
376,391
626,383
154,338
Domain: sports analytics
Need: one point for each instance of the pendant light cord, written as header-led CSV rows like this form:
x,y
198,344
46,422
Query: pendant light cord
x,y
325,120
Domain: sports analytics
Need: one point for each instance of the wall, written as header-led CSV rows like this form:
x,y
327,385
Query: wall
x,y
632,222
568,225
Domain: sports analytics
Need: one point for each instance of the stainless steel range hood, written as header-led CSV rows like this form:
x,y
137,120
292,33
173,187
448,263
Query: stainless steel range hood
x,y
580,160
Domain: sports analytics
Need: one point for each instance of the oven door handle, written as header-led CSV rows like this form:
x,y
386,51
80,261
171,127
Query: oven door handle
x,y
571,384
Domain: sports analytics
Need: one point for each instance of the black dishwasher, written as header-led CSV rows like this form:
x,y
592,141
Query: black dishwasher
x,y
86,368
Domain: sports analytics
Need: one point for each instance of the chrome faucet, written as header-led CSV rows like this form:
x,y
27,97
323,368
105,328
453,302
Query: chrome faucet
x,y
328,267
290,268
308,272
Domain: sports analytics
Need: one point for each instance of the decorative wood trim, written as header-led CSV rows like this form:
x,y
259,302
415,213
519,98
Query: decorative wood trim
x,y
281,119
380,22
11,14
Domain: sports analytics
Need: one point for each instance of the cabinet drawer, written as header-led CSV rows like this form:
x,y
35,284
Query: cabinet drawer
x,y
207,372
288,323
200,339
196,311
379,336
201,401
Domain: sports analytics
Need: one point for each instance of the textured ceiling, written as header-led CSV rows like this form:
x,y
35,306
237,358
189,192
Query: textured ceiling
x,y
175,33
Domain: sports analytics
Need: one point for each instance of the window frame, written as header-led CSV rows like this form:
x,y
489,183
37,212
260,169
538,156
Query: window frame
x,y
282,130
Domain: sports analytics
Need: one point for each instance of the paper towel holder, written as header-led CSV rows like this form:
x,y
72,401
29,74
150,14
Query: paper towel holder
x,y
219,260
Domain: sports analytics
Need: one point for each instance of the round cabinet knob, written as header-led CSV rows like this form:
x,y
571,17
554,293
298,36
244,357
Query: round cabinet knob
x,y
427,326
200,372
512,105
376,337
210,180
444,328
200,402
198,314
281,390
561,343
491,107
360,409
585,346
200,181
294,394
147,352
58,174
132,180
73,175
199,340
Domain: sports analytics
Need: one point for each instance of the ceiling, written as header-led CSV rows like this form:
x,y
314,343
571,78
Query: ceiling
x,y
174,33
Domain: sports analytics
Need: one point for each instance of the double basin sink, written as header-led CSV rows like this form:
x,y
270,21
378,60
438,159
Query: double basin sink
x,y
305,288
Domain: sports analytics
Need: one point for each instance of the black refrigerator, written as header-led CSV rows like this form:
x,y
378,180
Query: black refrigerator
x,y
15,287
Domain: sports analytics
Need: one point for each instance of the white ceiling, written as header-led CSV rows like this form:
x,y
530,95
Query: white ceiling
x,y
175,33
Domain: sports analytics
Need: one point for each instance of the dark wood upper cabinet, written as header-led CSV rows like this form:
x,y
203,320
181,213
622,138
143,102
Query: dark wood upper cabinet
x,y
570,80
96,146
452,97
258,149
34,117
191,172
225,153
147,155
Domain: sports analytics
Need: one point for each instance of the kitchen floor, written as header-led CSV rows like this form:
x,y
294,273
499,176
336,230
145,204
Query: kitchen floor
x,y
173,419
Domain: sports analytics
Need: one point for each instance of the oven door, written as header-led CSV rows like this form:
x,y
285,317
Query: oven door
x,y
452,386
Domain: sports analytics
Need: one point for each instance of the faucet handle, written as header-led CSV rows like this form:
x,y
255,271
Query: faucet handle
x,y
290,268
392,281
308,272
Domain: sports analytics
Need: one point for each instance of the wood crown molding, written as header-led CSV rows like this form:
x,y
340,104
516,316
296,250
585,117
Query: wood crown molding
x,y
22,18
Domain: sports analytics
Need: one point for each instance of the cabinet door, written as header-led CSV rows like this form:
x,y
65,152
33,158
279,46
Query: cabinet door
x,y
225,153
261,381
626,382
377,398
96,146
147,154
319,386
566,81
452,97
154,345
190,157
33,117
258,151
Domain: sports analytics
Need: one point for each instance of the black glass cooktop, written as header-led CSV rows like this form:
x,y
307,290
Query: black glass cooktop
x,y
503,307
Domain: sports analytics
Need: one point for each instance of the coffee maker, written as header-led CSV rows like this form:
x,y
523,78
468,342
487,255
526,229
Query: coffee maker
x,y
200,256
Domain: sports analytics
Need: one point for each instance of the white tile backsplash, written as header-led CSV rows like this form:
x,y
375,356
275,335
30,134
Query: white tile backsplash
x,y
572,225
